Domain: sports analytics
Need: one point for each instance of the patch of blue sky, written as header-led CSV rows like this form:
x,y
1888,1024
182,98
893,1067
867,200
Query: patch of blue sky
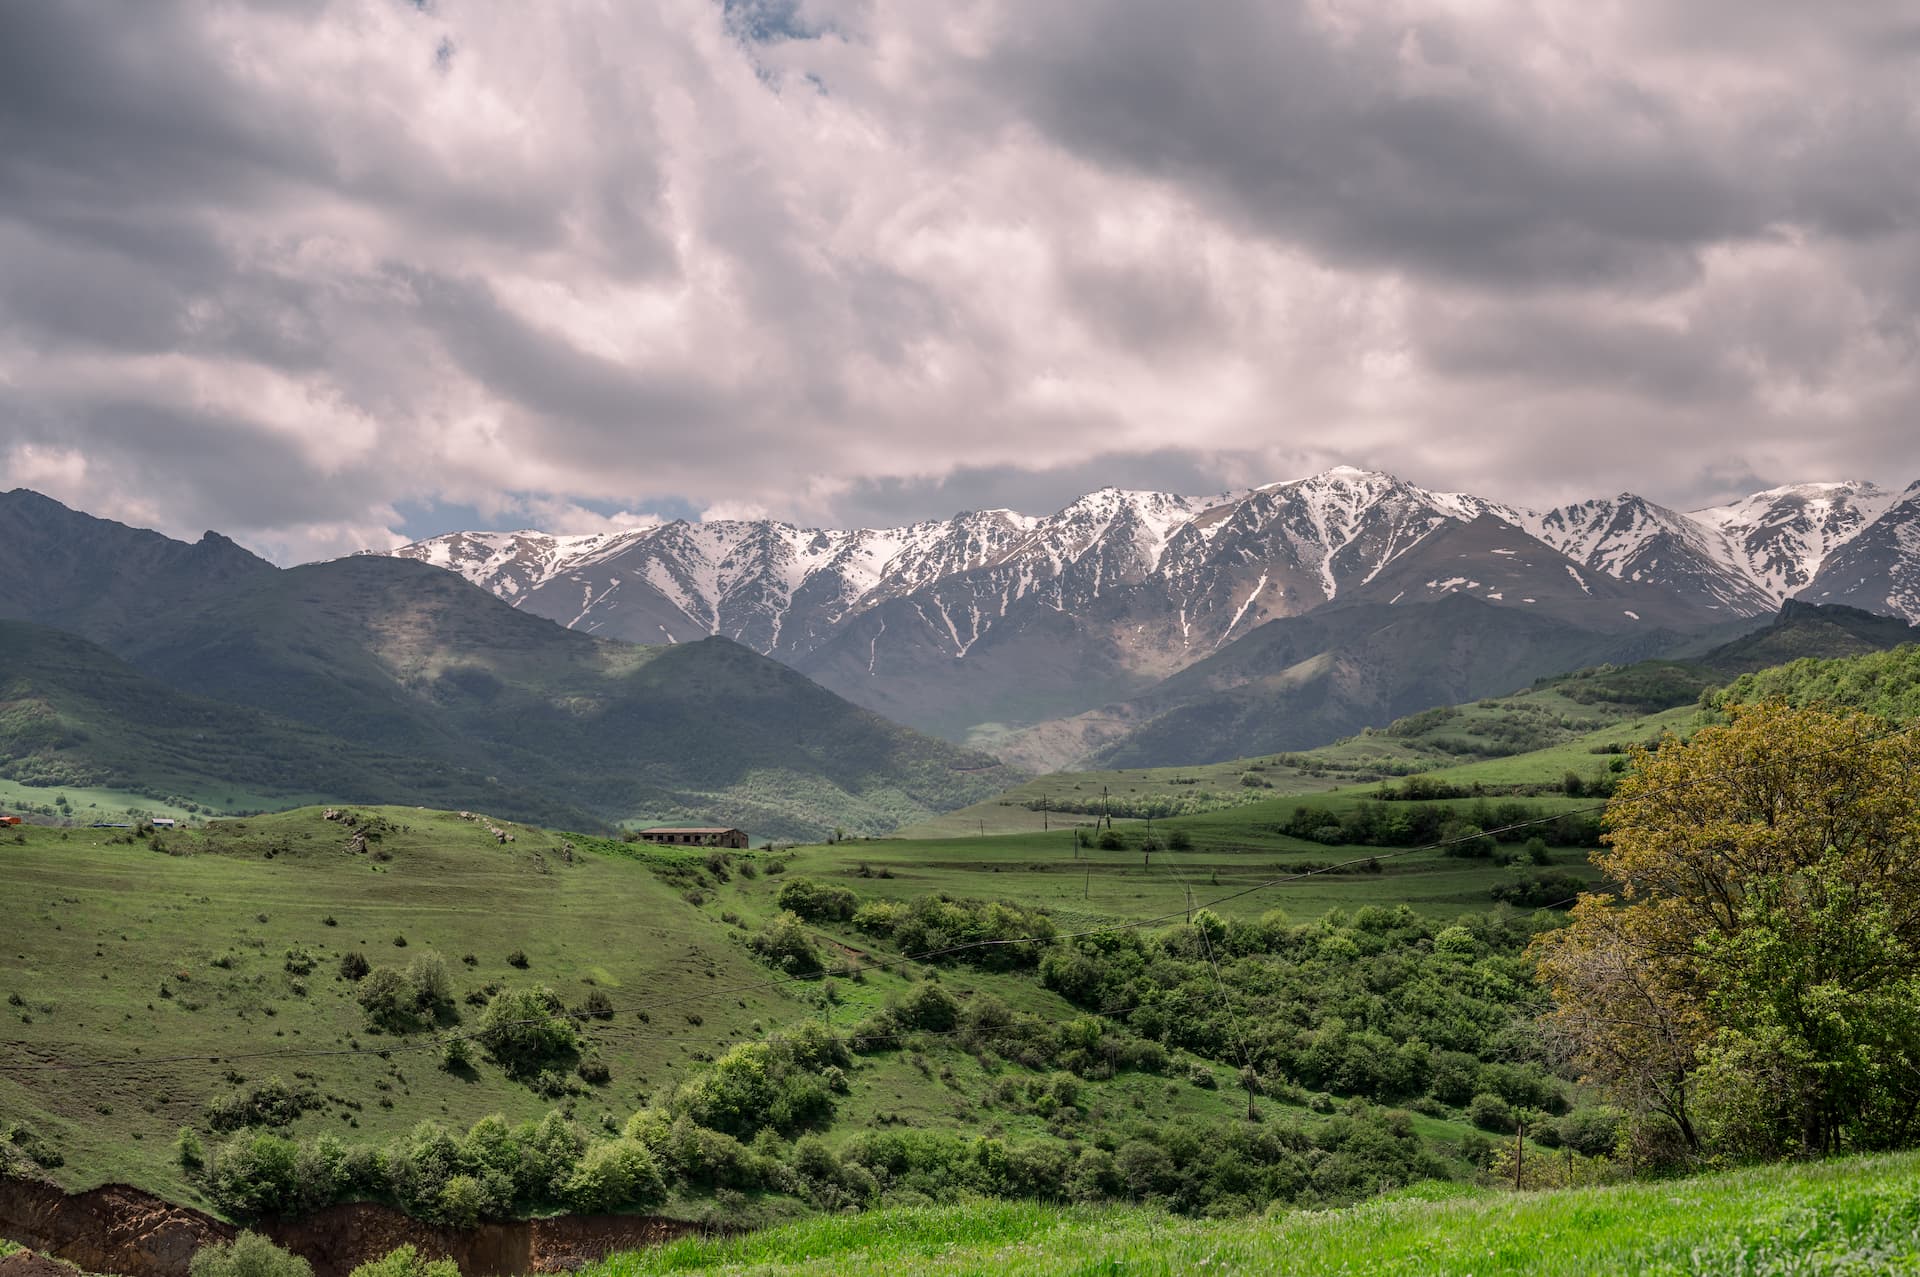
x,y
430,518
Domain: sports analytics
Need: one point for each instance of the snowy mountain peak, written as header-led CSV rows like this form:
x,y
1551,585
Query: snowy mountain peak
x,y
1783,535
1190,573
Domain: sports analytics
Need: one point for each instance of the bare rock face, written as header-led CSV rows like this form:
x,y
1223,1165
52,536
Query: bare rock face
x,y
113,1229
117,1229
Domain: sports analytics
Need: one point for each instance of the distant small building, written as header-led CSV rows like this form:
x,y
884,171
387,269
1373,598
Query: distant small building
x,y
9,820
695,836
163,822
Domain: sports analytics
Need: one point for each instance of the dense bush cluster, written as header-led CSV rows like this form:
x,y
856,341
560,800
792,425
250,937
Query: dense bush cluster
x,y
764,1092
1087,1046
973,932
785,1084
527,1031
404,1000
1415,824
270,1102
1382,1004
816,902
1886,684
774,1088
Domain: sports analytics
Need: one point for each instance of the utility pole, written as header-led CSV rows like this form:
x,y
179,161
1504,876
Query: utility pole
x,y
1044,826
1103,808
1086,892
1519,1150
1189,906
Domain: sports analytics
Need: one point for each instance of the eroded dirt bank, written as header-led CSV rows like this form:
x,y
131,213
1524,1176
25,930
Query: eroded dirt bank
x,y
117,1229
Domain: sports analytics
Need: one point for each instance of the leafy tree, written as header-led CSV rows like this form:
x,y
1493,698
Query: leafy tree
x,y
1757,983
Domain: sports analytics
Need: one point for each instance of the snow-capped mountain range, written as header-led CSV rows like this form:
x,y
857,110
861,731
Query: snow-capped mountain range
x,y
1127,587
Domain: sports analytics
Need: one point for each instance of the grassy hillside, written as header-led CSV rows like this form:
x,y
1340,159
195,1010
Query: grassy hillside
x,y
1856,1215
382,678
157,982
75,717
125,948
1576,723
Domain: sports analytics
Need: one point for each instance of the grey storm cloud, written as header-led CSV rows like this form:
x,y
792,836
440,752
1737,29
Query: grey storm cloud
x,y
288,269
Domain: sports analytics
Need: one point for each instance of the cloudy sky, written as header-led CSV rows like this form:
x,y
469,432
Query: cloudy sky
x,y
326,274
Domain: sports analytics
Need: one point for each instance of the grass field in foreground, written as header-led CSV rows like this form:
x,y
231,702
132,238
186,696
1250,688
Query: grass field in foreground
x,y
1858,1215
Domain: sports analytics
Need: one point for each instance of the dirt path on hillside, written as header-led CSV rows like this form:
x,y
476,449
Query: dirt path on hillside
x,y
117,1229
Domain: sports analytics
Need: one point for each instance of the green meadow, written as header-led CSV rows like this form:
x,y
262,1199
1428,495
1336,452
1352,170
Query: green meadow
x,y
1850,1216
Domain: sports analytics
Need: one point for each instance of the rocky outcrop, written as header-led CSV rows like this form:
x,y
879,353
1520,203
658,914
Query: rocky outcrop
x,y
118,1229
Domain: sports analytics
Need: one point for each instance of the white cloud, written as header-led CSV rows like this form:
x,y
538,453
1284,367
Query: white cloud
x,y
298,270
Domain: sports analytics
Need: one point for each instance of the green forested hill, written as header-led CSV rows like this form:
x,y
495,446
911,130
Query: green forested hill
x,y
383,679
75,716
1883,683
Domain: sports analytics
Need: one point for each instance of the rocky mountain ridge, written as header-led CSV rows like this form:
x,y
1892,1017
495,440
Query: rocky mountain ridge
x,y
995,616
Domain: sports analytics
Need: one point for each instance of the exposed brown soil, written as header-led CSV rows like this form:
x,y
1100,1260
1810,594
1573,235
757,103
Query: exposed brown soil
x,y
117,1229
24,1263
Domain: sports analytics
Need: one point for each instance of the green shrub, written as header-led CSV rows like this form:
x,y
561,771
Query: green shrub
x,y
783,943
1490,1113
406,1262
463,1200
526,1030
270,1102
927,1007
614,1174
456,1055
432,986
816,902
258,1175
390,1001
248,1255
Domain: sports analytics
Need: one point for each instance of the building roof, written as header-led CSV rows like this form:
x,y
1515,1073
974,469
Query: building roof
x,y
691,829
